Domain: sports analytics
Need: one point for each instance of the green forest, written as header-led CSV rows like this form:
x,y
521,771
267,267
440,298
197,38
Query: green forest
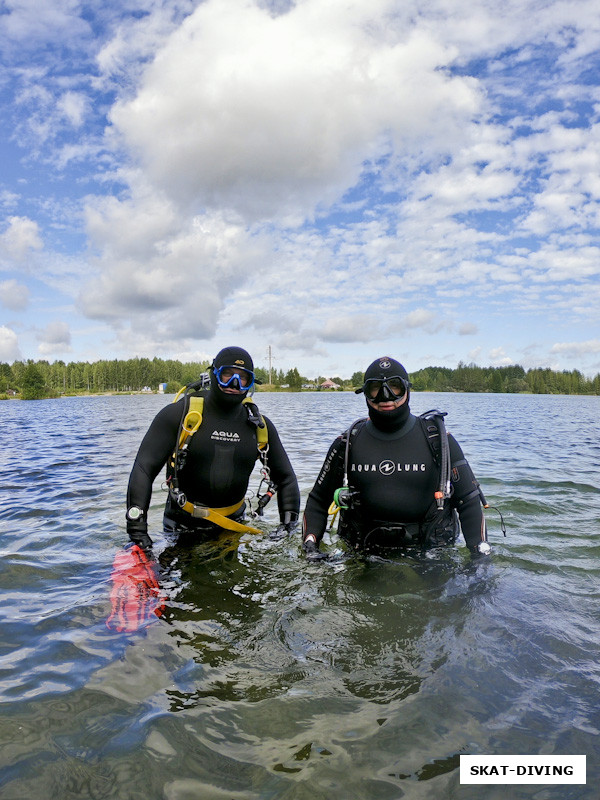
x,y
41,379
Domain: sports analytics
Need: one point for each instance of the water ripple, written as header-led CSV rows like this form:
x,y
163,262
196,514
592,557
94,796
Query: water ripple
x,y
266,676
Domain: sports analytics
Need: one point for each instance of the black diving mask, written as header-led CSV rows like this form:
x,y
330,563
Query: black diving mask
x,y
385,390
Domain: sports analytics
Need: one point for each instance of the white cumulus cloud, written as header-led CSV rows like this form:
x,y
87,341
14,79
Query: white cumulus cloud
x,y
576,349
167,275
350,328
55,338
9,345
14,295
274,115
20,237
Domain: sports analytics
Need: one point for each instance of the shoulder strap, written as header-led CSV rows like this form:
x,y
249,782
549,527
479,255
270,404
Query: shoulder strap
x,y
256,418
431,430
192,418
436,435
347,437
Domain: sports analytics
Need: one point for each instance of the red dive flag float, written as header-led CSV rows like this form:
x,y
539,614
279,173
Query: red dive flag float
x,y
136,597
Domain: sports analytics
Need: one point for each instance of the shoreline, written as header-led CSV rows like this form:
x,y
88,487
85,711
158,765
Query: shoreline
x,y
277,390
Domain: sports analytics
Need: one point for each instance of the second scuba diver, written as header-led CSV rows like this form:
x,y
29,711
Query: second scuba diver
x,y
403,480
209,467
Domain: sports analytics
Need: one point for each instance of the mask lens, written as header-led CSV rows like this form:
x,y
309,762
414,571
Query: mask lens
x,y
397,386
372,388
234,377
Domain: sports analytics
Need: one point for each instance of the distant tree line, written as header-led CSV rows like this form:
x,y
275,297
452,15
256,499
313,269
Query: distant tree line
x,y
512,379
132,375
37,379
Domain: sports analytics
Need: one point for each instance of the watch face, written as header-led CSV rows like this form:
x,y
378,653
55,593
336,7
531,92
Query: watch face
x,y
134,513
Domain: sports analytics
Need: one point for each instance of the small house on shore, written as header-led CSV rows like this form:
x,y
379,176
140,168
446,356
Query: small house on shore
x,y
329,385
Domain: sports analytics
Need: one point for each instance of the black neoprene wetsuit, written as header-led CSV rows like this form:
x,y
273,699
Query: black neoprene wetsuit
x,y
393,475
221,457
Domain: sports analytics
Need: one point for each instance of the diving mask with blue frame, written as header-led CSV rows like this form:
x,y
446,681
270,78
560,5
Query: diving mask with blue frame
x,y
234,377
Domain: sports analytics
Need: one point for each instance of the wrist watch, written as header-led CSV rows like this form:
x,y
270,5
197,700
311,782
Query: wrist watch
x,y
134,513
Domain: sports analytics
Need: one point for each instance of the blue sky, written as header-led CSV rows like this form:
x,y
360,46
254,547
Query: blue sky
x,y
337,180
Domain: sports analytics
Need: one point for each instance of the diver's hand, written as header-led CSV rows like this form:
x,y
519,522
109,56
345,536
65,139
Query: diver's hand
x,y
138,533
288,525
282,530
482,550
311,548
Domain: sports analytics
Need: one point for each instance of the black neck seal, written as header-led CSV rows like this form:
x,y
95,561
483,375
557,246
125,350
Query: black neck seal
x,y
390,421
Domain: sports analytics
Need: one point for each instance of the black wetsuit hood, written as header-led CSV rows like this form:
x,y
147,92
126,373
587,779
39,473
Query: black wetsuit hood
x,y
381,369
228,356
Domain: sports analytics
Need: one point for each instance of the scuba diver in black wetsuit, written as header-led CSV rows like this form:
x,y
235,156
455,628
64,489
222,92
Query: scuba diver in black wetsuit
x,y
397,491
208,468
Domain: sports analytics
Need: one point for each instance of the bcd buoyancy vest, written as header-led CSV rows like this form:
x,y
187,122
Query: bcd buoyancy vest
x,y
440,523
191,419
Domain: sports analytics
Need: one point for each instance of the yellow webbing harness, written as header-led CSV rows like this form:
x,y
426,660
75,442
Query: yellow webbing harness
x,y
190,424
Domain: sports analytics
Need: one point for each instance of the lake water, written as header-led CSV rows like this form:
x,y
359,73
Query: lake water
x,y
269,677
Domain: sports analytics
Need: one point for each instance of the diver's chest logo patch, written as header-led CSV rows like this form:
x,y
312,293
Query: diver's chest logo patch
x,y
386,467
225,436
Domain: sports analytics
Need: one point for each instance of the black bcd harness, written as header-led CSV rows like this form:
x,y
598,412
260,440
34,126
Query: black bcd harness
x,y
434,430
191,419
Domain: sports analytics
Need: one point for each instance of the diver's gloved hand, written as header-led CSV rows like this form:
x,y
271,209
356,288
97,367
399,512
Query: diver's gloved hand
x,y
311,548
481,550
288,525
138,533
